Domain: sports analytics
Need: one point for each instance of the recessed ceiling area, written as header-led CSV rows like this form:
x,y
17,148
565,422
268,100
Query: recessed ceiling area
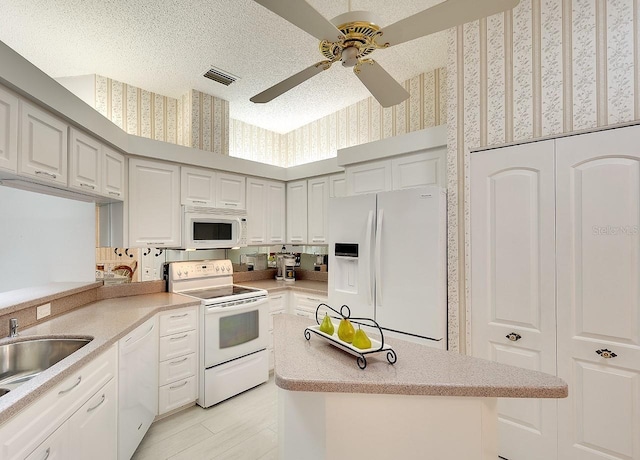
x,y
166,46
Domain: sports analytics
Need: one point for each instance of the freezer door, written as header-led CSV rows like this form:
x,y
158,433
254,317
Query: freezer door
x,y
351,230
410,262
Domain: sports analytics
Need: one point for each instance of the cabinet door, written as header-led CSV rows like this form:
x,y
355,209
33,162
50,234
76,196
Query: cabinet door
x,y
85,162
43,145
154,204
94,427
8,131
317,210
598,241
113,164
297,212
370,177
513,283
419,169
198,187
338,185
230,191
276,219
55,447
257,211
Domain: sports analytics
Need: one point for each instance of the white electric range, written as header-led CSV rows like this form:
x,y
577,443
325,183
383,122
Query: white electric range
x,y
233,328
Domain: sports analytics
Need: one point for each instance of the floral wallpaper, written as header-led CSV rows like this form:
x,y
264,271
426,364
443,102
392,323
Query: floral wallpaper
x,y
545,68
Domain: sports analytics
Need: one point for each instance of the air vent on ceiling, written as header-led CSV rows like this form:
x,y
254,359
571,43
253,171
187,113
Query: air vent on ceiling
x,y
220,76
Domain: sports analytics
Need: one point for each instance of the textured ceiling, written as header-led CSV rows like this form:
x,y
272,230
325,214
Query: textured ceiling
x,y
165,46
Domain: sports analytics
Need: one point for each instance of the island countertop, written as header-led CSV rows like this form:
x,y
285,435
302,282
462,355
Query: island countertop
x,y
317,366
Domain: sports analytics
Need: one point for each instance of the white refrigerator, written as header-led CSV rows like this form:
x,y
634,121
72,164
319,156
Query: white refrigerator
x,y
387,261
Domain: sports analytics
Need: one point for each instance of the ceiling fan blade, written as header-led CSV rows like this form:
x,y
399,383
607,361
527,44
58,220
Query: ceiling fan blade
x,y
290,83
301,14
442,16
380,84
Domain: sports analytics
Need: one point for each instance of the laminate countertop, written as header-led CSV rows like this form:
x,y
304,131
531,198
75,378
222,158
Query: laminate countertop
x,y
317,366
106,321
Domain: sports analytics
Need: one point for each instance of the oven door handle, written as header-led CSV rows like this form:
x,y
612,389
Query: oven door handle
x,y
212,309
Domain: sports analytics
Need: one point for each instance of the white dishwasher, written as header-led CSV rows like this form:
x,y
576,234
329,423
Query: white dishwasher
x,y
137,386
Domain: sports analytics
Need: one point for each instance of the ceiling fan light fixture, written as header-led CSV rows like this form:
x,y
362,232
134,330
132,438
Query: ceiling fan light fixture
x,y
349,56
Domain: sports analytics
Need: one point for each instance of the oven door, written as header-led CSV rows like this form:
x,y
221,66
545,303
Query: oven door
x,y
236,331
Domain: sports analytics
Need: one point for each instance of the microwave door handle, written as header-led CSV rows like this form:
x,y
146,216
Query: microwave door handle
x,y
239,232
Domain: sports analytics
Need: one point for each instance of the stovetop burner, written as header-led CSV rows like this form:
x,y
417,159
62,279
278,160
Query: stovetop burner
x,y
220,291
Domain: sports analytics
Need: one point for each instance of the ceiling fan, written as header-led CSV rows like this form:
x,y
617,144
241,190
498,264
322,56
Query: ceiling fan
x,y
353,36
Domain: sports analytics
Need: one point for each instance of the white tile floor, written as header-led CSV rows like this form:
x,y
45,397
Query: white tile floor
x,y
243,427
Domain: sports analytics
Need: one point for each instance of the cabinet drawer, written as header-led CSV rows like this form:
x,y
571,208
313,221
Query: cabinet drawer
x,y
177,321
177,394
177,345
38,421
273,313
278,302
304,313
173,370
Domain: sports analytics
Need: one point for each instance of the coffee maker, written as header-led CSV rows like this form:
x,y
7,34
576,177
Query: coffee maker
x,y
289,267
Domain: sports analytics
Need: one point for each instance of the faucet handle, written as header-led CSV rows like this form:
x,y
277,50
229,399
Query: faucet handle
x,y
13,327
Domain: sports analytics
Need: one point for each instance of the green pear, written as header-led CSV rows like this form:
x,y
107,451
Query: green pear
x,y
360,340
327,325
346,331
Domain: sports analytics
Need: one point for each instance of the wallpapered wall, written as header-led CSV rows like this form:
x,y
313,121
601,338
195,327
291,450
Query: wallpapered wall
x,y
365,121
547,67
196,119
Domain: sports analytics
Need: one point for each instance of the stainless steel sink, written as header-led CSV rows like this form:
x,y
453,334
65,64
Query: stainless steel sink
x,y
23,360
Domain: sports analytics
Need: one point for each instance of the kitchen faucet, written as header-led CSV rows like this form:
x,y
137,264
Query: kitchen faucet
x,y
13,327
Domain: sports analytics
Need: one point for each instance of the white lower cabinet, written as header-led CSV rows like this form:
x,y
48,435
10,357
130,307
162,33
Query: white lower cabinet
x,y
178,359
60,423
306,304
278,303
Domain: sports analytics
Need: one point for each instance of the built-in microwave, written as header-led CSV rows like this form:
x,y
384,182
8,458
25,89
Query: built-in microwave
x,y
213,228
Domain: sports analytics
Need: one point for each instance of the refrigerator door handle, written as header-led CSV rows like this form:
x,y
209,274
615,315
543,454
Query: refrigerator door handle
x,y
378,257
369,246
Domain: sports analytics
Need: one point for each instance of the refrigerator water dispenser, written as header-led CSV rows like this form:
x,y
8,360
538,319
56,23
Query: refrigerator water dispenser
x,y
346,267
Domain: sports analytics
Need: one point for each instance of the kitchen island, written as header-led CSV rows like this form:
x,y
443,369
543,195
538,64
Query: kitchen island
x,y
430,404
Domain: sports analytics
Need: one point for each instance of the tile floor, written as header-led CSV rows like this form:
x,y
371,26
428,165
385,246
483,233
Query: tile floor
x,y
244,428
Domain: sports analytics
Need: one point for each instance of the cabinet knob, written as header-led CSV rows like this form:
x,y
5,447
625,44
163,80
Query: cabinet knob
x,y
514,337
607,354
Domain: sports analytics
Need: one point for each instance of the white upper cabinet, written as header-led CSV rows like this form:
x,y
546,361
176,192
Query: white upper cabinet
x,y
85,162
317,209
8,131
513,283
276,219
43,145
230,191
337,185
154,204
256,211
265,211
197,187
372,177
598,241
113,179
297,212
419,169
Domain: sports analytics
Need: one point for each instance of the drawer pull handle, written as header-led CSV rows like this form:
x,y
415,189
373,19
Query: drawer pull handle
x,y
179,386
45,173
69,389
114,193
514,337
200,202
179,338
180,360
47,453
97,405
313,300
607,354
92,187
179,316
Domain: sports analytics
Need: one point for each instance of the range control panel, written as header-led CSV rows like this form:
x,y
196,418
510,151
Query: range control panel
x,y
200,269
